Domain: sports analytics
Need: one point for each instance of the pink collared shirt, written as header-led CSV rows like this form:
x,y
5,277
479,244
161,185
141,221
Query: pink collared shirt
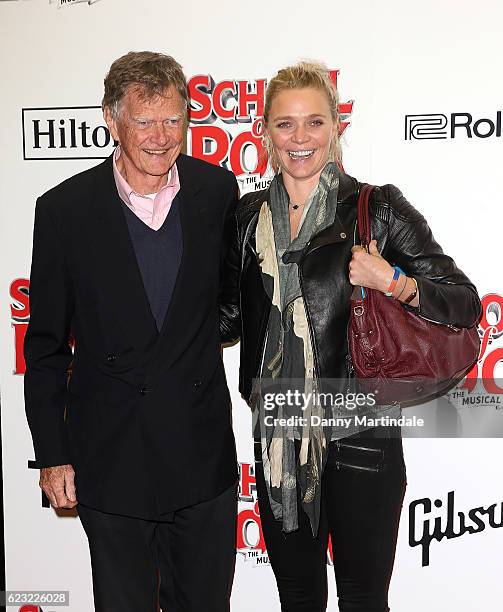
x,y
152,209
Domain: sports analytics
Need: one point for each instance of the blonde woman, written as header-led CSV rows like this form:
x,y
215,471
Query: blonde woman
x,y
297,265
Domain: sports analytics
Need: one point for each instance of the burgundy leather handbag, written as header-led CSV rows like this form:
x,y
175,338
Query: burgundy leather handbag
x,y
397,354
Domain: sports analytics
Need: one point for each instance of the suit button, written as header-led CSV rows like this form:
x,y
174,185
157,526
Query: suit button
x,y
145,390
112,357
198,384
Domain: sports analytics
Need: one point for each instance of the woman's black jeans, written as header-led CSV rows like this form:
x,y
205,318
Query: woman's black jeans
x,y
362,495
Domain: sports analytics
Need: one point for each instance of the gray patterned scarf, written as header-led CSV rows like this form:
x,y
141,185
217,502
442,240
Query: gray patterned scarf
x,y
288,361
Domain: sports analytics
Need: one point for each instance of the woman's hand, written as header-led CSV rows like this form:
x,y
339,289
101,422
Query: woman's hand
x,y
370,269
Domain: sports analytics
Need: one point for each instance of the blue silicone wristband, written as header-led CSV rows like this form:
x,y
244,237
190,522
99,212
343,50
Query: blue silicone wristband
x,y
396,276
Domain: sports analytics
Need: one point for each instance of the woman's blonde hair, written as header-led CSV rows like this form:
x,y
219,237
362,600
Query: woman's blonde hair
x,y
304,75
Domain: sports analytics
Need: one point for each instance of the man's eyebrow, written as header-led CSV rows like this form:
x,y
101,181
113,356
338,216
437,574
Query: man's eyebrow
x,y
142,118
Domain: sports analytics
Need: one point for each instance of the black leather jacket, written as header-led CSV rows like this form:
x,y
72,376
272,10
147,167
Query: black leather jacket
x,y
403,238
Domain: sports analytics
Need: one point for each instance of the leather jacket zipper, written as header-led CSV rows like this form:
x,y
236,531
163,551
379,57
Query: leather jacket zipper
x,y
363,449
340,463
351,466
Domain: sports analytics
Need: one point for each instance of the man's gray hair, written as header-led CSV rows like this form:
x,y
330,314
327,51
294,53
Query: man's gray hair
x,y
151,72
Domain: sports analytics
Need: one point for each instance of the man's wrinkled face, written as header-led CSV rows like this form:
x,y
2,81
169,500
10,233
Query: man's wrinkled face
x,y
150,132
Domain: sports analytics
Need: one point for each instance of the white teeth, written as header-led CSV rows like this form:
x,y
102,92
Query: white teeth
x,y
300,154
155,152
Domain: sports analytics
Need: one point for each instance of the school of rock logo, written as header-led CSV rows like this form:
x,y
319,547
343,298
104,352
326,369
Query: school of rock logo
x,y
437,520
483,385
63,3
20,315
250,538
33,608
227,126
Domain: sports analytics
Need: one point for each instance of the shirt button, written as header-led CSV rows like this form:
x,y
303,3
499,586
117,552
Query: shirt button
x,y
198,384
112,357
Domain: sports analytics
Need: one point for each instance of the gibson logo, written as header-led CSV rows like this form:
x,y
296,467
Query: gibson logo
x,y
444,525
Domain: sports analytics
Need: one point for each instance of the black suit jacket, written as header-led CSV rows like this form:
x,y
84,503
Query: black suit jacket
x,y
144,416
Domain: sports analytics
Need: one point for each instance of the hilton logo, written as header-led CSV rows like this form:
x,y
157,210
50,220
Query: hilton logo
x,y
74,132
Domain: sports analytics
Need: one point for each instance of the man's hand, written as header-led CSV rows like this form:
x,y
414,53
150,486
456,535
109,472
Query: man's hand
x,y
369,269
58,483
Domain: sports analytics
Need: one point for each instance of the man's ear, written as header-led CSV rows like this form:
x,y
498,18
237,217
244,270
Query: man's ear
x,y
111,123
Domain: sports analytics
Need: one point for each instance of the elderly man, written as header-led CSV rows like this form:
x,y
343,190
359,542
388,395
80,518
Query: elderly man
x,y
134,427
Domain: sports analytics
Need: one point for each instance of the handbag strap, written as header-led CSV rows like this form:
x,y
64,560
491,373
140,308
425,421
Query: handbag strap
x,y
363,216
363,226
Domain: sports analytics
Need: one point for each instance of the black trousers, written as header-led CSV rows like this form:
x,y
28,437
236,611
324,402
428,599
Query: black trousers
x,y
362,495
184,564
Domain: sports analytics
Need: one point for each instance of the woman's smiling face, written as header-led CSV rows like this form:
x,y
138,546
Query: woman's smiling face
x,y
301,129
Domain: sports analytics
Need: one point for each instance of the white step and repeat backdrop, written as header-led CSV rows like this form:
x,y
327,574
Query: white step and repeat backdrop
x,y
422,99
